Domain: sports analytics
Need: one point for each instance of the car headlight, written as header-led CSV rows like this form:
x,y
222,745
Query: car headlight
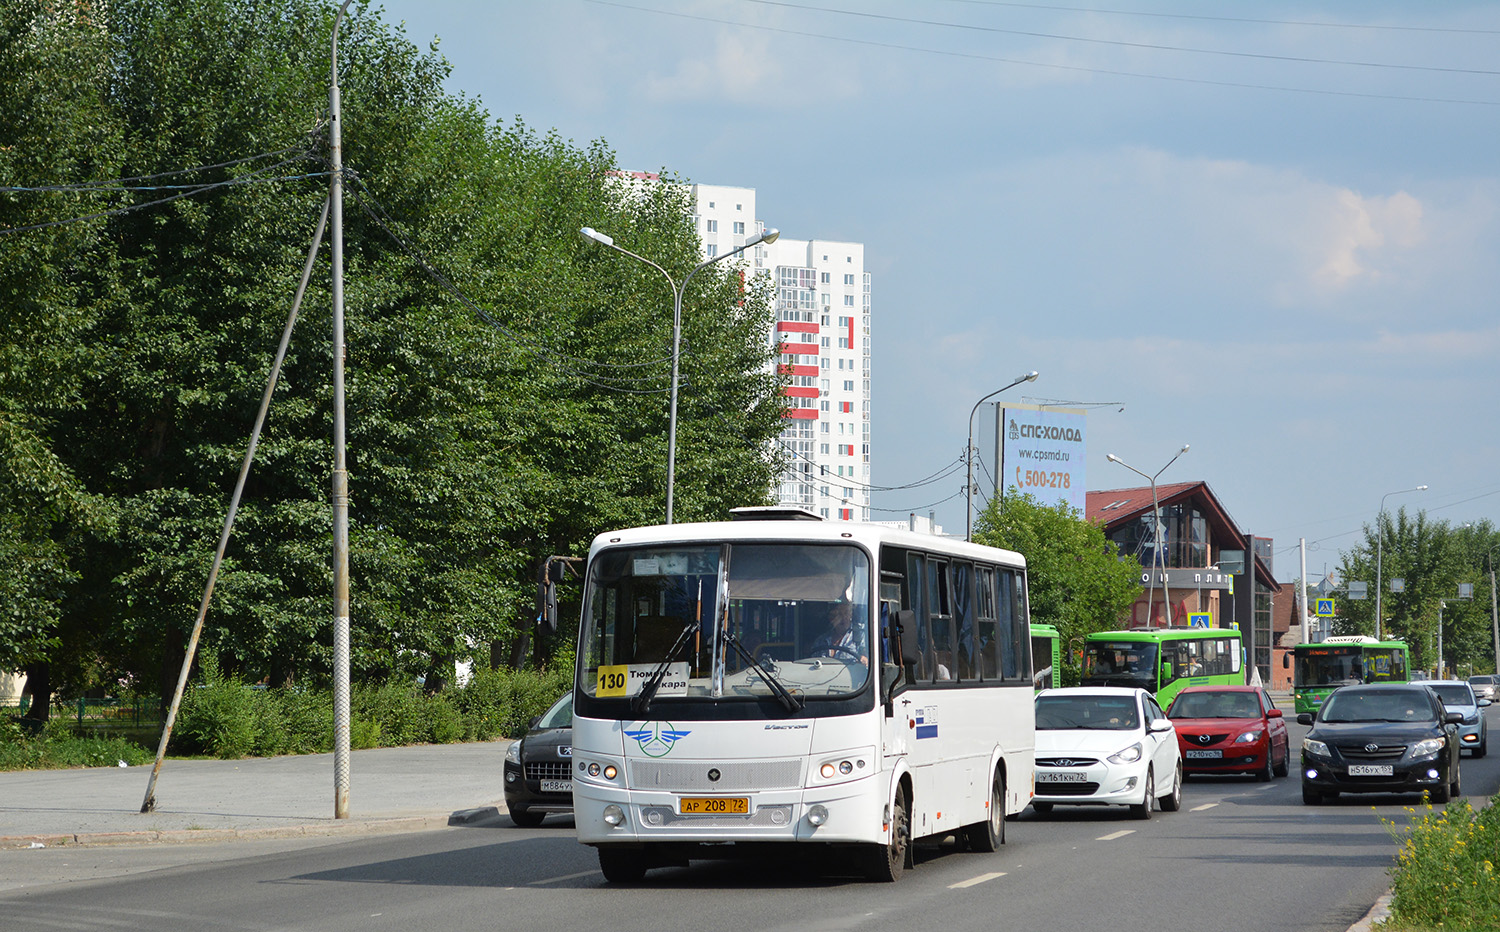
x,y
1127,756
1317,748
513,753
1249,736
1427,747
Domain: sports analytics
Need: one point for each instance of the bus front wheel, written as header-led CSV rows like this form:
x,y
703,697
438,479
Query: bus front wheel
x,y
989,835
884,863
622,866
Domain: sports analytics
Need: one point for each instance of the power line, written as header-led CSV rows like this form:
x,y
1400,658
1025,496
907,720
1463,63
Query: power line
x,y
200,189
1231,19
1123,43
1209,82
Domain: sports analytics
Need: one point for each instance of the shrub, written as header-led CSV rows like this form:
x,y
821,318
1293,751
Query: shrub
x,y
57,746
218,715
1446,875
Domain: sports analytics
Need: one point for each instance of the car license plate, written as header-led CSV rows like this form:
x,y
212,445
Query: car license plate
x,y
1061,776
714,805
557,786
1203,755
1371,770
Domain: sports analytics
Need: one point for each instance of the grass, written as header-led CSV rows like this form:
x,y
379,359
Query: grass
x,y
58,747
1447,873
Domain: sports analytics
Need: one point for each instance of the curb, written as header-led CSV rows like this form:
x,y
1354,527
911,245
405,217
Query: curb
x,y
200,836
1378,913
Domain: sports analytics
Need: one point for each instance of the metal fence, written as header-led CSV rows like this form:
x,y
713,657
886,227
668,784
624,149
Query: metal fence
x,y
98,713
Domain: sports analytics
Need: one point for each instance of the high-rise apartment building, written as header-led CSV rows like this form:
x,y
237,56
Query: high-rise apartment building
x,y
822,329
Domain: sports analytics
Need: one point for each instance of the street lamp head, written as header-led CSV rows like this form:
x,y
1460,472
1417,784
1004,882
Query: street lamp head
x,y
1421,488
590,233
1184,448
765,236
1111,457
1028,377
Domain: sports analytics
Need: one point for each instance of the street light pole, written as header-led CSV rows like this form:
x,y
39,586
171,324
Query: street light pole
x,y
969,453
1379,548
593,235
1156,556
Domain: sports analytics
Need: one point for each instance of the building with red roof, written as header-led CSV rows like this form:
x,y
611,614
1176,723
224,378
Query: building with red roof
x,y
1202,566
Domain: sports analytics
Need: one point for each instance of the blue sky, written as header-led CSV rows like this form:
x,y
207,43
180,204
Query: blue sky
x,y
1268,230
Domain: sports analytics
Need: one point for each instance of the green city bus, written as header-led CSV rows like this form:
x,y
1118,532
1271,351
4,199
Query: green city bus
x,y
1338,661
1163,660
1046,656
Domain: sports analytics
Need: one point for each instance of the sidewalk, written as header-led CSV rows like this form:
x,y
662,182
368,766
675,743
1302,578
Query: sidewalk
x,y
391,789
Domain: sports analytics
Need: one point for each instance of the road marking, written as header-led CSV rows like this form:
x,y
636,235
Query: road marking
x,y
1113,835
975,881
537,883
1202,807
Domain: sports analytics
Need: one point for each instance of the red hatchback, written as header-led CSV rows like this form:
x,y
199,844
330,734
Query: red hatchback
x,y
1230,729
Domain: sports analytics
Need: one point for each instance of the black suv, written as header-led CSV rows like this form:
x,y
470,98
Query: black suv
x,y
1381,738
539,767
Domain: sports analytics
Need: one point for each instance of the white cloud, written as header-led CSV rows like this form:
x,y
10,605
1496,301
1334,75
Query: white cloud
x,y
1360,232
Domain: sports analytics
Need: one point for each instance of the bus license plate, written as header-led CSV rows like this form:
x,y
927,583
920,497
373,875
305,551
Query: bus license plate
x,y
557,786
1371,770
1203,755
714,805
1061,776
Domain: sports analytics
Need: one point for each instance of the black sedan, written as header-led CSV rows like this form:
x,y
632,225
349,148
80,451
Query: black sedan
x,y
539,767
1381,738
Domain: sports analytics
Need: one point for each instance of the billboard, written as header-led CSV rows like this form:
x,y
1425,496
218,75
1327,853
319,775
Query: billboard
x,y
1042,453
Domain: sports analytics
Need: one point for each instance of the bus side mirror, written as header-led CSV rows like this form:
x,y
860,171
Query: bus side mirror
x,y
1166,671
906,633
1286,661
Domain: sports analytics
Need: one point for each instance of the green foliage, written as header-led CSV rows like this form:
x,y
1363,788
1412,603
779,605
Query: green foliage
x,y
1447,874
59,747
136,347
220,715
1433,557
1078,580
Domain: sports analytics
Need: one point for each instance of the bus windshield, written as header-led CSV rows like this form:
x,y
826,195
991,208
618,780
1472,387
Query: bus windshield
x,y
723,620
1121,663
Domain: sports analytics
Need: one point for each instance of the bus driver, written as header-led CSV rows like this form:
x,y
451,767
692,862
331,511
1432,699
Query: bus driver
x,y
839,638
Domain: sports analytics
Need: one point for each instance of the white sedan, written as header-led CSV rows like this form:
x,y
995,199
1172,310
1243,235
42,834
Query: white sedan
x,y
1105,745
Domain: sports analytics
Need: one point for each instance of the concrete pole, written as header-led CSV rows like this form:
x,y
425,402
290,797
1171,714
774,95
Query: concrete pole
x,y
340,471
1302,594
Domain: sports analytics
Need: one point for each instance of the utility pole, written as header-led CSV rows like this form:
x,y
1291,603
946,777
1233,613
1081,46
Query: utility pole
x,y
340,472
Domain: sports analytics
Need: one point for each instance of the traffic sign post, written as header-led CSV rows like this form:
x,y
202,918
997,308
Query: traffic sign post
x,y
1324,608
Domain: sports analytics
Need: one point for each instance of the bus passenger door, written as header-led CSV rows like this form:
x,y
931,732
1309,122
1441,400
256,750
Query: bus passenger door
x,y
894,682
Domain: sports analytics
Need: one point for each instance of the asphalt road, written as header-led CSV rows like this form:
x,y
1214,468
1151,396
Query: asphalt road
x,y
1239,856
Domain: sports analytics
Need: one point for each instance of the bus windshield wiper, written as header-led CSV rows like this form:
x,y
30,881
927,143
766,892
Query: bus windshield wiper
x,y
792,703
641,701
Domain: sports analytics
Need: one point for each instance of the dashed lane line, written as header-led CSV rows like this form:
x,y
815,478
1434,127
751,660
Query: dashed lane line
x,y
975,881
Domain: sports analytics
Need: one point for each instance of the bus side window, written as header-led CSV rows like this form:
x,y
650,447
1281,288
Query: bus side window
x,y
989,644
1005,606
940,620
916,592
963,620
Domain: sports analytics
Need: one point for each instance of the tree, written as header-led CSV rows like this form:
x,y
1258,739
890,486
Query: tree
x,y
1079,582
506,383
1432,558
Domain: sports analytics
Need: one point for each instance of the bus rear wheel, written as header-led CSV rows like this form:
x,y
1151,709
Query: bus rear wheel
x,y
884,863
989,835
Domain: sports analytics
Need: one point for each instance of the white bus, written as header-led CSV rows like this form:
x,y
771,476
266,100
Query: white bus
x,y
724,692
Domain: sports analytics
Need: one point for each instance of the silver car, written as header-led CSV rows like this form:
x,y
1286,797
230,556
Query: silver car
x,y
1485,686
1458,696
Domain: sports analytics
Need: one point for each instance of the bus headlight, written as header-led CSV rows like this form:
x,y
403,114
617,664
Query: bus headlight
x,y
614,815
817,814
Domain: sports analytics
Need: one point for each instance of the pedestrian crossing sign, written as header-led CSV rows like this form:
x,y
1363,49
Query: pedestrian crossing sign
x,y
1200,619
1324,608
